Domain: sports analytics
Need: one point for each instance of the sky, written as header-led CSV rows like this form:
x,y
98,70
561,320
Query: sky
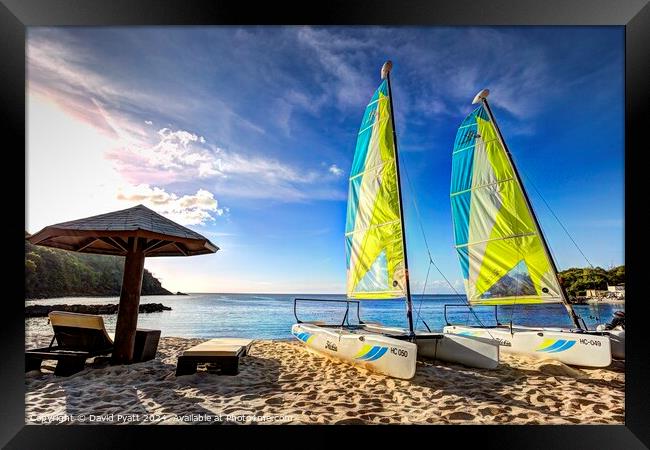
x,y
246,135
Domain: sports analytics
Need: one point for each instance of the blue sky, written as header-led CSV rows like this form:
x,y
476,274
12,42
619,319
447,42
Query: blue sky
x,y
247,135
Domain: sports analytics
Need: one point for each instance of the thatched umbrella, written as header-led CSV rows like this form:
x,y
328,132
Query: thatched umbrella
x,y
135,233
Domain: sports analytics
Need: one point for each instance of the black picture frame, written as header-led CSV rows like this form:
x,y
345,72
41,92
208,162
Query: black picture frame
x,y
634,15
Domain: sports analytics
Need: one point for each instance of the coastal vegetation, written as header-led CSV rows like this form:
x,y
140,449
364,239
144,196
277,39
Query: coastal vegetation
x,y
577,280
58,273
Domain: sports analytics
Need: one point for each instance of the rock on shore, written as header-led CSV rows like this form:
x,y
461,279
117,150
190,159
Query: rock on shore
x,y
44,310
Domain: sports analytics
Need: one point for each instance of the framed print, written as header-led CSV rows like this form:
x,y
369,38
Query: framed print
x,y
353,217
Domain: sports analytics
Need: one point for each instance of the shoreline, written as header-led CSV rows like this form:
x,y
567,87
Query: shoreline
x,y
606,302
599,302
280,381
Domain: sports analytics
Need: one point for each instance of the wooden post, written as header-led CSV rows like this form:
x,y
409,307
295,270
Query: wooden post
x,y
127,314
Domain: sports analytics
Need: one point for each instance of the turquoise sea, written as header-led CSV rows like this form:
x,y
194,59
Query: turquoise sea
x,y
270,316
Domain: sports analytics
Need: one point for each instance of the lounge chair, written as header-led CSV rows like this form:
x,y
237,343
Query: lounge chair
x,y
221,354
78,337
82,336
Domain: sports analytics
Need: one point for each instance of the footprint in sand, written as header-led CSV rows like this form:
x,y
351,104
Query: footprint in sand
x,y
460,415
55,394
274,401
599,408
351,421
489,411
343,405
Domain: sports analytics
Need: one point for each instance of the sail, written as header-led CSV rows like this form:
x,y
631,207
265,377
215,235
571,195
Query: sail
x,y
501,252
373,232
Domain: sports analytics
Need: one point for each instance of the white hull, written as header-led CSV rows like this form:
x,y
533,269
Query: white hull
x,y
466,350
373,349
375,352
578,349
617,339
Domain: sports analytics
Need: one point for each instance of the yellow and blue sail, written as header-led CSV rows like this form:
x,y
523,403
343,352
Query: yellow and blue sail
x,y
502,256
373,233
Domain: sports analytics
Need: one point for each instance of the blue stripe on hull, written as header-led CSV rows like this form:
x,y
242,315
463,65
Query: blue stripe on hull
x,y
373,351
379,354
564,347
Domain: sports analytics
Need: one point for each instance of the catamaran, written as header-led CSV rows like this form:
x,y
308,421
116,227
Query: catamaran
x,y
503,253
377,265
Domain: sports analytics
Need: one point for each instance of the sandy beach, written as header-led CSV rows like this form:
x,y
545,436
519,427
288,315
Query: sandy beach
x,y
283,382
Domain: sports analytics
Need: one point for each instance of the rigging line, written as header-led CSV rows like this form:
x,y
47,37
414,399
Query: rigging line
x,y
519,253
557,218
518,281
424,236
426,280
431,261
417,212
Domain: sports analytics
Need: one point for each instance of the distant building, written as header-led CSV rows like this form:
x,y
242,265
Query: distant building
x,y
617,291
595,293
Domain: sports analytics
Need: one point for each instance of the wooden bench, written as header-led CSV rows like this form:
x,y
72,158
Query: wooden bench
x,y
221,355
68,363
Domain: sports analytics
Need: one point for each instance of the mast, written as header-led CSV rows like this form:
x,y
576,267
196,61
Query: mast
x,y
482,97
385,74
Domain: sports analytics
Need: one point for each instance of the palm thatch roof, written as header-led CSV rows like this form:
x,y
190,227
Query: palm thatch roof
x,y
109,234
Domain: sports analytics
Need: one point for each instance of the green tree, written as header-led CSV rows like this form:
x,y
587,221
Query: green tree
x,y
577,280
58,273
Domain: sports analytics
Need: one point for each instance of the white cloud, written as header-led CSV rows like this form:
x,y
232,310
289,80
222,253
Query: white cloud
x,y
339,56
196,209
63,70
63,67
165,157
514,70
181,155
268,169
448,67
308,103
335,170
176,150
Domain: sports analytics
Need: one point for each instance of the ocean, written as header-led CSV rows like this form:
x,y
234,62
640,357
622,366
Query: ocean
x,y
270,316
